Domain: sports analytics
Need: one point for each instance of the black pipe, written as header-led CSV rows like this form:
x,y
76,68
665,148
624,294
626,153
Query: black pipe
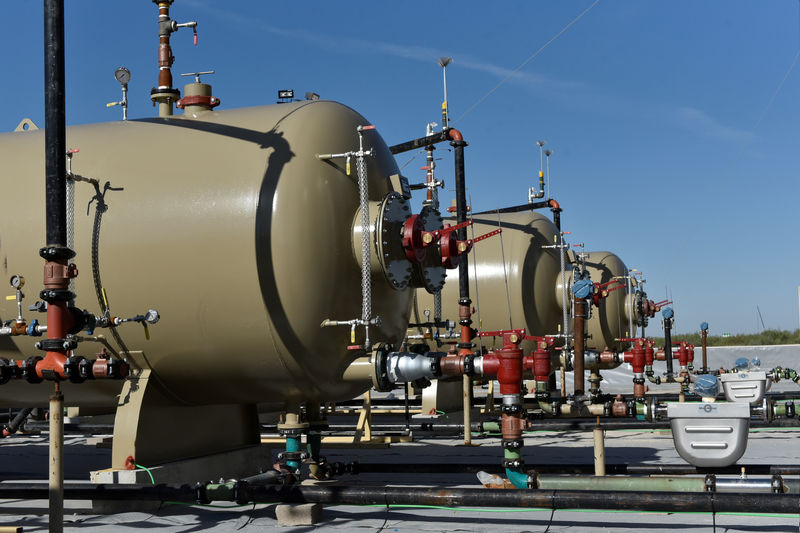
x,y
55,129
461,216
552,468
13,426
440,496
668,344
430,140
557,218
516,208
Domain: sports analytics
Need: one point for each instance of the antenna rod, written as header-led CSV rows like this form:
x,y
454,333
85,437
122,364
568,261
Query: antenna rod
x,y
443,62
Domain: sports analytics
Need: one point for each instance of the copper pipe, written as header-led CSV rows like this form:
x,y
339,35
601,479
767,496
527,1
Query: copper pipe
x,y
705,353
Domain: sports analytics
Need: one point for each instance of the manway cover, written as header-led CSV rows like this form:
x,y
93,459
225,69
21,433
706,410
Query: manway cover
x,y
710,433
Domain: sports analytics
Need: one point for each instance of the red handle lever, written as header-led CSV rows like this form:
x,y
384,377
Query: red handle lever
x,y
486,235
445,231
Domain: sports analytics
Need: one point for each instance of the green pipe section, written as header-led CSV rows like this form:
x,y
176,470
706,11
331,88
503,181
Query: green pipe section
x,y
491,427
516,476
546,407
780,407
220,491
314,453
293,445
314,445
622,483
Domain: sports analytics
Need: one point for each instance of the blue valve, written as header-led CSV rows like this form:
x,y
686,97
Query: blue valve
x,y
32,331
583,288
703,326
667,313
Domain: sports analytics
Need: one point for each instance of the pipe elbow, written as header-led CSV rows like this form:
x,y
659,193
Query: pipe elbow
x,y
518,478
554,204
454,134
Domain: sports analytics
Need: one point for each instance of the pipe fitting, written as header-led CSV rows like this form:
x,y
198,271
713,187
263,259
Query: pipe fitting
x,y
405,367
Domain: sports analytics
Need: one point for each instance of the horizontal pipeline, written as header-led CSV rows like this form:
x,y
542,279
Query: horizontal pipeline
x,y
447,497
550,468
420,143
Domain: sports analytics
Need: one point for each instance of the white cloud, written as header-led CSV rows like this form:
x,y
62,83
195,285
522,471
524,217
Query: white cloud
x,y
411,52
699,121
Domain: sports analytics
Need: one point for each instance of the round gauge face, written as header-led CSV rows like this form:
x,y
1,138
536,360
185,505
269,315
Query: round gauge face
x,y
122,75
17,282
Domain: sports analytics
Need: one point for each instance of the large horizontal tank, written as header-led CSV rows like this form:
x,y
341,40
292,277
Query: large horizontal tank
x,y
231,226
525,290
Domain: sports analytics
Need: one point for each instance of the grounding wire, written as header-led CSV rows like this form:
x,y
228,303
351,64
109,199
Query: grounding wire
x,y
539,51
99,209
70,201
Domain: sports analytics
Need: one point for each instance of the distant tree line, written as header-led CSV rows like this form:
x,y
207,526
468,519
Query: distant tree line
x,y
764,338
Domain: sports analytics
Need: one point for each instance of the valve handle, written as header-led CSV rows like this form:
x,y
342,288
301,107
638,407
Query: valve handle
x,y
485,236
464,224
606,284
500,333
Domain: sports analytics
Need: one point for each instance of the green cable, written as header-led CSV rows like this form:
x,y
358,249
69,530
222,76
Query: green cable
x,y
140,467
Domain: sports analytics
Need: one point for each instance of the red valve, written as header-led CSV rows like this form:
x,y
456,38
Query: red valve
x,y
601,292
452,249
637,357
682,353
416,240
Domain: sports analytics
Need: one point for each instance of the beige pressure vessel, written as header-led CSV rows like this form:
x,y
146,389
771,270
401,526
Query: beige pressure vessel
x,y
233,229
525,290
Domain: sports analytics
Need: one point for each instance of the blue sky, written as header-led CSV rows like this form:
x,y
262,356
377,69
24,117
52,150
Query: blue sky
x,y
671,146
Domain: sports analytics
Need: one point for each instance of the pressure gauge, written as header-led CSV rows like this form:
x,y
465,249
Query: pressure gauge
x,y
17,282
122,75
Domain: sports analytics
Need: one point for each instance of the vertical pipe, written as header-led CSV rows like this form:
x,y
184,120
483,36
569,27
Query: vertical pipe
x,y
56,462
55,129
464,301
599,450
467,382
461,213
705,354
668,344
557,218
407,412
629,288
579,344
